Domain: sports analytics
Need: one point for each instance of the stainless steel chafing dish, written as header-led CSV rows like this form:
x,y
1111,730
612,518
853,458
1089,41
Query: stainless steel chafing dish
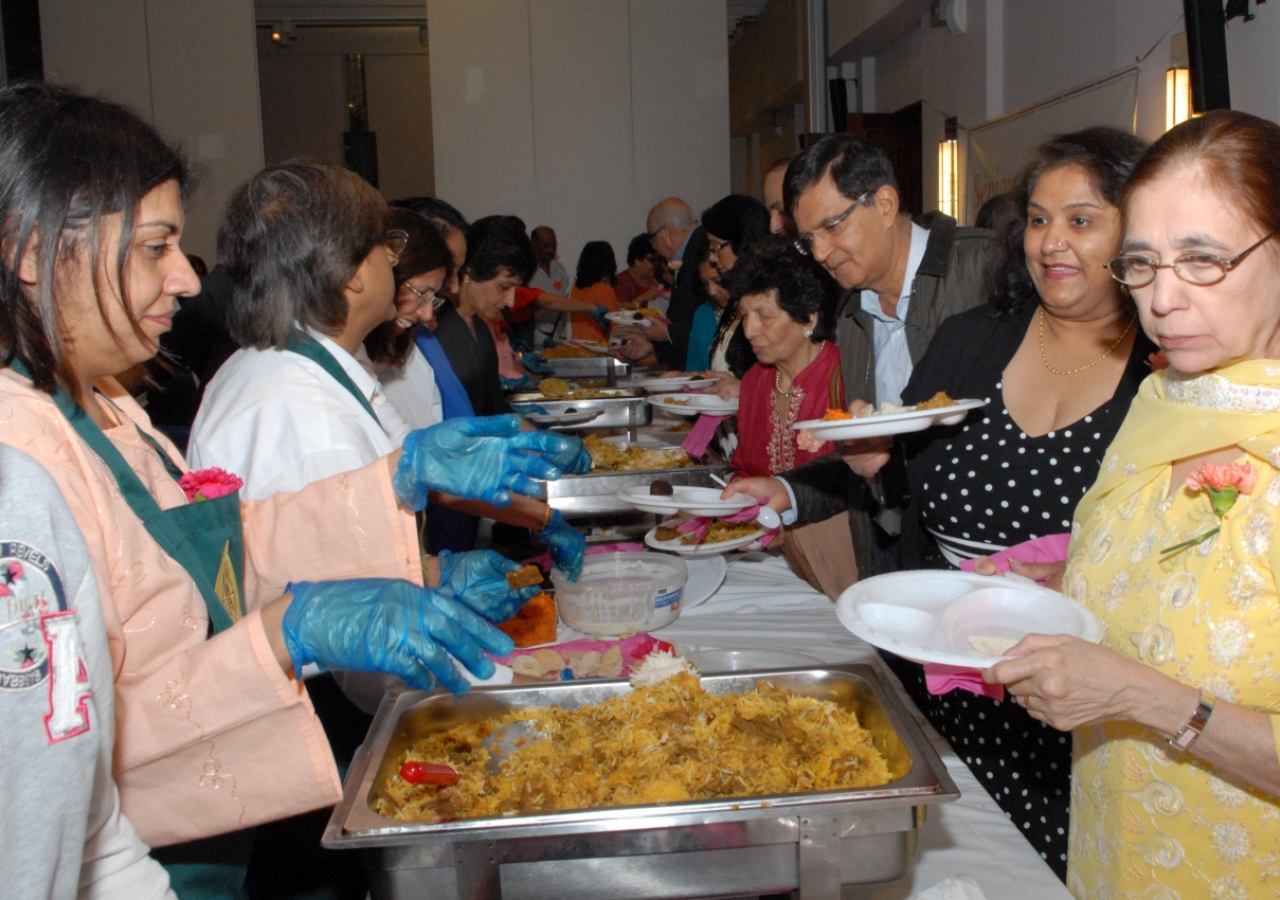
x,y
621,409
814,842
595,367
596,493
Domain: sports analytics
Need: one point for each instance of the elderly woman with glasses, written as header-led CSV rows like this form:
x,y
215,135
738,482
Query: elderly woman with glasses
x,y
1175,713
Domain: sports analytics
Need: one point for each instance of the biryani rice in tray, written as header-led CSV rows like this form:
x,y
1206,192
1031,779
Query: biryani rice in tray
x,y
665,741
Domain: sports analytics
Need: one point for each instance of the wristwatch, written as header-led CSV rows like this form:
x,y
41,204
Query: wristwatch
x,y
1187,736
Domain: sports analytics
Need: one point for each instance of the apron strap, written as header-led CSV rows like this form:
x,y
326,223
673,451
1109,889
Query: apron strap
x,y
304,344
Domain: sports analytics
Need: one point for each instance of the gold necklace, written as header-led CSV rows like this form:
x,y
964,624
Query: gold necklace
x,y
1045,358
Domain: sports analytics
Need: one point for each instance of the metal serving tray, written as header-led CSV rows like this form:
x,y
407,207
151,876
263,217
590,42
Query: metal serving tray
x,y
814,842
623,408
596,493
597,367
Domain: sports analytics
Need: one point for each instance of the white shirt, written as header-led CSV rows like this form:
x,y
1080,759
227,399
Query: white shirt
x,y
549,322
411,388
281,422
893,358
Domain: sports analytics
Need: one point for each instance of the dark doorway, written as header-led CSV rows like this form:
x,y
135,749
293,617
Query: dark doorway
x,y
23,55
901,134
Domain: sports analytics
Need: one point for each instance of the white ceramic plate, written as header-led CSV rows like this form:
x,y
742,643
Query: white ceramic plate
x,y
698,501
929,616
702,549
694,404
668,385
705,578
894,423
576,417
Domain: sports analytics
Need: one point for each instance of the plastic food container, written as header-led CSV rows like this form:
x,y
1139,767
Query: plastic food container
x,y
622,593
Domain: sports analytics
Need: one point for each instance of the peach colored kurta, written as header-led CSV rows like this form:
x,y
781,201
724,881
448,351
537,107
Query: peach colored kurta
x,y
211,735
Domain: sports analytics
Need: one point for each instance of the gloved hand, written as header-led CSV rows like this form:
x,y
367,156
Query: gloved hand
x,y
477,459
536,363
574,461
515,384
388,625
479,579
566,544
599,314
520,346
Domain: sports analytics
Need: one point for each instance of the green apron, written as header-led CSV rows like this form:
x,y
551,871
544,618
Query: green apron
x,y
205,538
305,345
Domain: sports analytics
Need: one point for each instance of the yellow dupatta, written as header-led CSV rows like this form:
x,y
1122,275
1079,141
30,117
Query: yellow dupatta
x,y
1176,416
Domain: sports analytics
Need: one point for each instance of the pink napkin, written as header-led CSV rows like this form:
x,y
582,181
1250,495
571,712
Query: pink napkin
x,y
700,525
1047,549
700,435
940,679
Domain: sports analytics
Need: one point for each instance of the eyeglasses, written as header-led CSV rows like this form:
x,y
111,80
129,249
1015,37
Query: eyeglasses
x,y
1202,269
832,226
396,241
716,248
657,231
427,296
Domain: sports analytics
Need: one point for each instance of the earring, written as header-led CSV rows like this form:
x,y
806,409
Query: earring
x,y
809,333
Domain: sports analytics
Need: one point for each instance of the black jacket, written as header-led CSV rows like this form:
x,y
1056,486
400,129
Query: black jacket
x,y
685,300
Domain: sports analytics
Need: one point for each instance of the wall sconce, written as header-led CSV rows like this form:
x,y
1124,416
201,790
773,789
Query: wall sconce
x,y
282,34
949,172
1177,96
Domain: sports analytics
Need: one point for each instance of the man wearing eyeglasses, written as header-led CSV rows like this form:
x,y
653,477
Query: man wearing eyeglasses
x,y
902,279
677,236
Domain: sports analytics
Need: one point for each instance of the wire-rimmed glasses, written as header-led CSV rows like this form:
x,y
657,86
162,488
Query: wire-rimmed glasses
x,y
804,243
1201,269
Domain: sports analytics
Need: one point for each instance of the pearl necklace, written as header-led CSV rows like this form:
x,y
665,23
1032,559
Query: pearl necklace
x,y
1045,358
777,373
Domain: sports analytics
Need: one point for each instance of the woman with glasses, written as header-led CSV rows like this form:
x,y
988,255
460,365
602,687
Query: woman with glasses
x,y
1175,715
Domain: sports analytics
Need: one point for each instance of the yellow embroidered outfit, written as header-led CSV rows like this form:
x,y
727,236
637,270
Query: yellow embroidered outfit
x,y
1148,820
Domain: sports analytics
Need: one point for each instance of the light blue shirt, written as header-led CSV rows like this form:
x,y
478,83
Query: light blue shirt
x,y
893,358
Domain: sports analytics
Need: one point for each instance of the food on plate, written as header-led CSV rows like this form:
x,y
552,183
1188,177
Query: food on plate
x,y
667,531
680,426
939,400
672,401
680,743
661,488
554,388
720,531
567,351
990,644
535,623
526,577
836,415
633,459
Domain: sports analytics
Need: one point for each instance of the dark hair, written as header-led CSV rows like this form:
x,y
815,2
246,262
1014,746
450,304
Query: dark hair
x,y
1107,156
993,213
803,287
292,237
596,263
1239,154
435,209
856,166
738,219
425,251
496,244
641,247
66,162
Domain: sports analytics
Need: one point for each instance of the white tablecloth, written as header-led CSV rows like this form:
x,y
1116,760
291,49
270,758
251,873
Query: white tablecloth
x,y
763,605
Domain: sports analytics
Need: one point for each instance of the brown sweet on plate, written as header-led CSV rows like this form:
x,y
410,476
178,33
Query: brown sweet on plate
x,y
939,400
661,488
526,577
534,624
667,532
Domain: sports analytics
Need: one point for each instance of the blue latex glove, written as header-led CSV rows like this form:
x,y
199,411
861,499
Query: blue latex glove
x,y
566,544
479,579
536,363
388,625
477,459
515,384
520,346
531,409
574,461
599,314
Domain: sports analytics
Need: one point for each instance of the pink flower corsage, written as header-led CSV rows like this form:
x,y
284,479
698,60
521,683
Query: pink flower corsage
x,y
1224,485
209,484
807,442
1157,361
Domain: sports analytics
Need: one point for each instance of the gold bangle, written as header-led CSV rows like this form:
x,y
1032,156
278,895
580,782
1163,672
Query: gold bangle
x,y
547,519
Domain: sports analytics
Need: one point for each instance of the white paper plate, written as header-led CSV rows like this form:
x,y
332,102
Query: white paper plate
x,y
894,423
629,319
668,385
593,346
576,417
705,577
702,549
694,404
698,501
929,616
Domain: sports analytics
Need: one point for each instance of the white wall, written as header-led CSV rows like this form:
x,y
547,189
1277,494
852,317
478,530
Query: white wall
x,y
1253,62
579,114
188,68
